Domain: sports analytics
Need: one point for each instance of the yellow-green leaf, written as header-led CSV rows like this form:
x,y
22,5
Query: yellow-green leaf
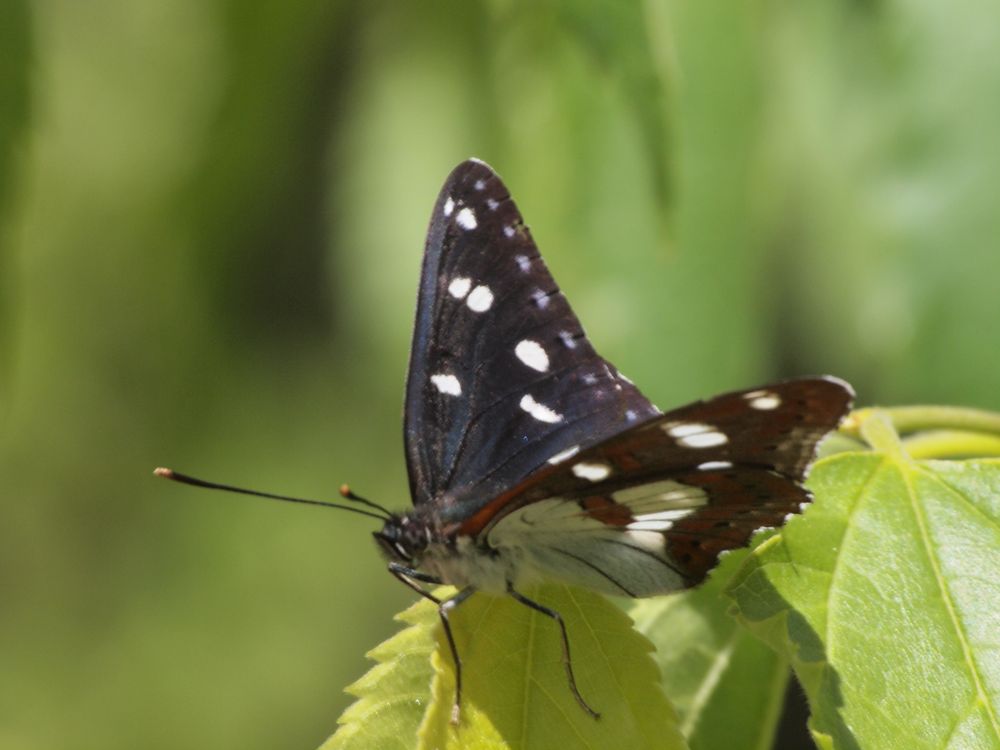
x,y
516,694
515,688
394,694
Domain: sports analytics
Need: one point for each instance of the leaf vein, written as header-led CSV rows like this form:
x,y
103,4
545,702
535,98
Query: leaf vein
x,y
838,560
709,682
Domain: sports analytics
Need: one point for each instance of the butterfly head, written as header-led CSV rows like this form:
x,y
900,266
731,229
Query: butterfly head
x,y
403,538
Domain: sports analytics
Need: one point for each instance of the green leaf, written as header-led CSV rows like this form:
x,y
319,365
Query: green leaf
x,y
393,695
515,692
885,599
515,689
728,686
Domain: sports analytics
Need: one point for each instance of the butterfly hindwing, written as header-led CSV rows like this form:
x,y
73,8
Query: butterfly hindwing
x,y
650,510
501,374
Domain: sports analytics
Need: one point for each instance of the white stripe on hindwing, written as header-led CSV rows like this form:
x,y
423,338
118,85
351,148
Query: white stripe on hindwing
x,y
559,538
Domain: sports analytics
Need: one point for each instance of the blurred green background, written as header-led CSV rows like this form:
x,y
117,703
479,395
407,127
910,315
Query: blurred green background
x,y
211,220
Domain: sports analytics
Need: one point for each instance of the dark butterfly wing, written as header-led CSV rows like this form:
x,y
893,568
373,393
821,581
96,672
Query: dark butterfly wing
x,y
501,375
650,509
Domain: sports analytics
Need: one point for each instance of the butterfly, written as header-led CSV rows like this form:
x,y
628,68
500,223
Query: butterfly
x,y
531,458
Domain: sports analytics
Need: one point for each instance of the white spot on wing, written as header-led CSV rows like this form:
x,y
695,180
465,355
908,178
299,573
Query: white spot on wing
x,y
449,206
660,521
541,299
764,402
466,219
695,434
447,384
665,493
480,299
480,184
523,263
508,231
703,440
683,429
532,354
492,204
714,466
563,455
594,472
459,287
539,411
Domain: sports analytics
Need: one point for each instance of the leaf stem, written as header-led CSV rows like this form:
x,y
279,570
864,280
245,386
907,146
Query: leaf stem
x,y
877,429
941,431
952,444
908,419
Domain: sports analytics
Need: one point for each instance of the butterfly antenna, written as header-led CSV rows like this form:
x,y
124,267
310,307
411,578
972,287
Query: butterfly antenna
x,y
176,476
345,492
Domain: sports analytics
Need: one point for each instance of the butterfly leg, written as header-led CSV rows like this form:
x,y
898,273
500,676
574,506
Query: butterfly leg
x,y
409,575
565,645
410,578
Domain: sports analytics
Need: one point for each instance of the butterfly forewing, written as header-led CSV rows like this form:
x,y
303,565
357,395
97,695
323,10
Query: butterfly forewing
x,y
501,375
678,489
